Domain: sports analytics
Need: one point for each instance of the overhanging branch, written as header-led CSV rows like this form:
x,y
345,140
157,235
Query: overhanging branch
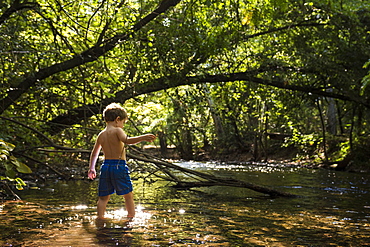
x,y
78,114
87,56
15,7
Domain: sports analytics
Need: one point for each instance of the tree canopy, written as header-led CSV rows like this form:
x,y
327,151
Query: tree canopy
x,y
223,75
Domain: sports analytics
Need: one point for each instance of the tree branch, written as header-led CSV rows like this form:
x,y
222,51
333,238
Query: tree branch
x,y
208,179
273,30
15,7
50,142
87,56
78,114
44,164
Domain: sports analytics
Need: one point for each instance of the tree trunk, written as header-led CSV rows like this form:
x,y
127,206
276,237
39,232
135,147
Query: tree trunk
x,y
162,143
201,179
332,115
219,129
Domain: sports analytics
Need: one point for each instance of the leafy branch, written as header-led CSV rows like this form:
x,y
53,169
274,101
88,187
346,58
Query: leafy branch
x,y
78,114
15,7
89,55
12,165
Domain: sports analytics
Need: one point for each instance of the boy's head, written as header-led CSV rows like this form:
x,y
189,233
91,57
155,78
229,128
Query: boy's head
x,y
114,110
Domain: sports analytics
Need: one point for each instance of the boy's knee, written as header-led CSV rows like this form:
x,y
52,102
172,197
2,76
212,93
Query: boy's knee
x,y
103,198
128,195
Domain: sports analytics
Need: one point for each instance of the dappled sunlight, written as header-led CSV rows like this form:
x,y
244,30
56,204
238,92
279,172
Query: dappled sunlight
x,y
180,226
116,214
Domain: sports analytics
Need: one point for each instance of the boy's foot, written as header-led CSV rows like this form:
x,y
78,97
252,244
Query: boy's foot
x,y
129,218
102,219
101,222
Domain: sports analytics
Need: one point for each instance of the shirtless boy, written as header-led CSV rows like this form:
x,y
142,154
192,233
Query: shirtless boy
x,y
114,173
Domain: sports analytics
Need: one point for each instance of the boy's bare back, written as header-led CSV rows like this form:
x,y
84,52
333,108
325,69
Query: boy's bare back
x,y
112,140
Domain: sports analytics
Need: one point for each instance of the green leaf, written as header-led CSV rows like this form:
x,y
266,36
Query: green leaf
x,y
19,186
10,173
365,83
21,167
20,181
7,146
8,166
3,155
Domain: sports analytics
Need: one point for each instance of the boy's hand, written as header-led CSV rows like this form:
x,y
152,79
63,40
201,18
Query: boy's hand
x,y
91,174
150,137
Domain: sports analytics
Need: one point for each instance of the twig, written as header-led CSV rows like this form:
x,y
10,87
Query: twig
x,y
45,164
11,191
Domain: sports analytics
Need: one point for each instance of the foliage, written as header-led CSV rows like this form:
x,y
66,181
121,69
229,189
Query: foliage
x,y
366,79
209,74
308,144
11,164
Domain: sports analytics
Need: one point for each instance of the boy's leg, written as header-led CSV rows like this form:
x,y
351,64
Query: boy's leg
x,y
102,204
130,205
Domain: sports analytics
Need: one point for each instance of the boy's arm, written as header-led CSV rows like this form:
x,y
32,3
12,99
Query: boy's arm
x,y
134,140
93,158
137,139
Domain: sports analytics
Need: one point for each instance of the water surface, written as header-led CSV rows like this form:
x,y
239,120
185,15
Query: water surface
x,y
333,209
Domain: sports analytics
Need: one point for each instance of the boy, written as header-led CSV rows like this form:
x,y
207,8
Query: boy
x,y
114,174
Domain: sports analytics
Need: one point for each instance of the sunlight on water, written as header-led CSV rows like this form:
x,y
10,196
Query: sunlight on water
x,y
333,209
140,219
116,214
243,167
80,207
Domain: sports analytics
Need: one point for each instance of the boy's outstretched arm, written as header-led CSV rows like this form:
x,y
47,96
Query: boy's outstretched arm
x,y
137,139
93,158
134,140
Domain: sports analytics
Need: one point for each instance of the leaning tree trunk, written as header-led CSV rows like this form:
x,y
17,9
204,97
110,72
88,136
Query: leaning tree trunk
x,y
200,179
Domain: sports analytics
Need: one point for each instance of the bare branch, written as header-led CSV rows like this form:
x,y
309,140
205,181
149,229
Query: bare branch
x,y
287,27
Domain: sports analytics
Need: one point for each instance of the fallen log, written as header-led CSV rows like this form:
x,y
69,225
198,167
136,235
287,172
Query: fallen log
x,y
202,179
234,183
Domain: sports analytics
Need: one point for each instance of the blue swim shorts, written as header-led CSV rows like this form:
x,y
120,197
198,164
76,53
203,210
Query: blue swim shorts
x,y
114,177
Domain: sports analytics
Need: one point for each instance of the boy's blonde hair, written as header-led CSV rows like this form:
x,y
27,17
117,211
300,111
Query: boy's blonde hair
x,y
114,110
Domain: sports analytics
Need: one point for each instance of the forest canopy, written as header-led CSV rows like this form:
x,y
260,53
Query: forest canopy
x,y
222,77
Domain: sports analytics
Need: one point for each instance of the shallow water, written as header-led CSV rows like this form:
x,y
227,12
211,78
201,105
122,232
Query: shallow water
x,y
333,209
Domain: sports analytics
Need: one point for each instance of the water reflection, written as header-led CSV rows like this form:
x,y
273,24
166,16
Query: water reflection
x,y
334,210
140,219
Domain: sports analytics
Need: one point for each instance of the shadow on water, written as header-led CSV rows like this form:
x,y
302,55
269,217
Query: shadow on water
x,y
334,209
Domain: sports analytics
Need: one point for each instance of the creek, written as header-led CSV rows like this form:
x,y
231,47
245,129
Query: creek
x,y
333,208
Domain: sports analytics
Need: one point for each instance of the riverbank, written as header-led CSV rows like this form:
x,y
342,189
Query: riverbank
x,y
287,157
